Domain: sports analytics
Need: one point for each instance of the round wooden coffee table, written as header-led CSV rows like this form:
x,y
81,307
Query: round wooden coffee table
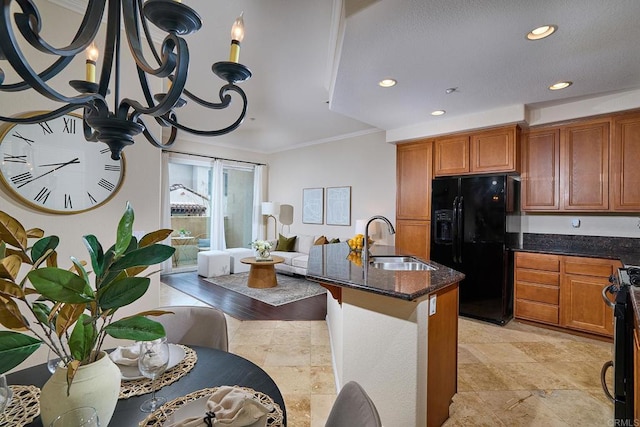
x,y
262,274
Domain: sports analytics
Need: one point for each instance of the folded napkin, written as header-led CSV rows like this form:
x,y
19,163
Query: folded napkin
x,y
126,355
233,407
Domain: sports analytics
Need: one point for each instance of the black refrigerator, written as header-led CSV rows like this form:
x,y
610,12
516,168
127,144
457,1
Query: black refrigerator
x,y
474,221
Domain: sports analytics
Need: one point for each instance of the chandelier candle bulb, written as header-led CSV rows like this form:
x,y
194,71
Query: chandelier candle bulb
x,y
237,35
92,58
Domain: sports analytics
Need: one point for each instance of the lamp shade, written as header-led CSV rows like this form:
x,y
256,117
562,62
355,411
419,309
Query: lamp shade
x,y
360,223
286,214
270,208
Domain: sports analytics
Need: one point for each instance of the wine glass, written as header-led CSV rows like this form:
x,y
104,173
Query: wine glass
x,y
5,394
152,362
85,416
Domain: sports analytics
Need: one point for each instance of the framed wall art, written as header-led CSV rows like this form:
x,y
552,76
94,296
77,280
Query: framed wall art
x,y
339,206
312,205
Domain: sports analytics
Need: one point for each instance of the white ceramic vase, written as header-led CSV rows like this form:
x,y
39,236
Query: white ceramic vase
x,y
263,255
96,384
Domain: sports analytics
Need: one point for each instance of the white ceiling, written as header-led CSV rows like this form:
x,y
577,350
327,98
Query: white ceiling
x,y
477,46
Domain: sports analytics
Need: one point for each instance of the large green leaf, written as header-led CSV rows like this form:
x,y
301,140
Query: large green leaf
x,y
123,292
41,246
146,256
82,338
95,253
155,237
15,348
136,328
125,231
83,273
42,312
59,285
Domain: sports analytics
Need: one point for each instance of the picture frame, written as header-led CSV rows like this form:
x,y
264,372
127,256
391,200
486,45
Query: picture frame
x,y
312,205
339,205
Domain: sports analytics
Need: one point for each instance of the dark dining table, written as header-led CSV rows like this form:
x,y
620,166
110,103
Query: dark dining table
x,y
214,368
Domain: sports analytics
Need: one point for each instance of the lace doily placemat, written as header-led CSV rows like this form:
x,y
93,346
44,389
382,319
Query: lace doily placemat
x,y
144,385
162,414
24,406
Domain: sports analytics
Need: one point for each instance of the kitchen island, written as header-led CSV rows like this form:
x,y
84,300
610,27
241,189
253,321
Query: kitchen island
x,y
394,332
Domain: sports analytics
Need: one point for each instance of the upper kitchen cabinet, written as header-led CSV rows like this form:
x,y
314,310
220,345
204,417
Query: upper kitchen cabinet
x,y
567,168
489,151
625,161
413,180
540,187
584,175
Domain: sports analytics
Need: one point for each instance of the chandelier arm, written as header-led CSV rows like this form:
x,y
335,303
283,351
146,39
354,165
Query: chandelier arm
x,y
132,32
147,35
173,121
153,140
45,75
224,98
43,117
29,24
31,79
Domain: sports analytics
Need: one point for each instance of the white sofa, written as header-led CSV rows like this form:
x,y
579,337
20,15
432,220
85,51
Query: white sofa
x,y
296,262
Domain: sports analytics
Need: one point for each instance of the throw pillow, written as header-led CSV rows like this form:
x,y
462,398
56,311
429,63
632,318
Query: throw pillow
x,y
321,241
286,244
336,240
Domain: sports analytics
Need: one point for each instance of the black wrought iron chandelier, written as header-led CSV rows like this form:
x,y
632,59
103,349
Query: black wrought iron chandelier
x,y
118,126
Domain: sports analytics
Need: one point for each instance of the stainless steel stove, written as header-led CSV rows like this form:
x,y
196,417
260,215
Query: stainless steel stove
x,y
622,362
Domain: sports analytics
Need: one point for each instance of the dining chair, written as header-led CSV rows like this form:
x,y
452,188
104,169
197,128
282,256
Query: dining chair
x,y
353,408
192,325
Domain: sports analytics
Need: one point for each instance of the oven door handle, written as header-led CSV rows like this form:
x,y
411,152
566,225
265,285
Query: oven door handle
x,y
608,288
603,380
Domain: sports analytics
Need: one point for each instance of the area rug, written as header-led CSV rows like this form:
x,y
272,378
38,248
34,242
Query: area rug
x,y
289,289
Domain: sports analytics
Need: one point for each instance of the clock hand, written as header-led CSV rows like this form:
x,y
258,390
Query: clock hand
x,y
47,173
58,164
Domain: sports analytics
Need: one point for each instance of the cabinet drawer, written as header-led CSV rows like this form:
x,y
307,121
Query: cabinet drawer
x,y
538,261
589,267
536,276
537,311
538,293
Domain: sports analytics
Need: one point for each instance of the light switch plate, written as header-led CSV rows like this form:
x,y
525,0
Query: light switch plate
x,y
432,305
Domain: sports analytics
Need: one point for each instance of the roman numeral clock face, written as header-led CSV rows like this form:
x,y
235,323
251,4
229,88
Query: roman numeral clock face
x,y
51,167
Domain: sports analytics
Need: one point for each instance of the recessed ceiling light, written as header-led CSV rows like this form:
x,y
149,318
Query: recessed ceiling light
x,y
387,83
560,85
438,112
541,32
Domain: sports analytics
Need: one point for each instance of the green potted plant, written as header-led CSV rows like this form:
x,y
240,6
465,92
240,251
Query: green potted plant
x,y
68,313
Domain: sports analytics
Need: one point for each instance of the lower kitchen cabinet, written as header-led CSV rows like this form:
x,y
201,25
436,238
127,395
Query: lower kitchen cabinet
x,y
564,291
582,306
413,237
636,372
537,287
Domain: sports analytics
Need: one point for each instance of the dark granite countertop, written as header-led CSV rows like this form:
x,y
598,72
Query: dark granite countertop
x,y
624,249
329,264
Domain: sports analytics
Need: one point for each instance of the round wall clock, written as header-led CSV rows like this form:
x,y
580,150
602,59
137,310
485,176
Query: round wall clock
x,y
51,167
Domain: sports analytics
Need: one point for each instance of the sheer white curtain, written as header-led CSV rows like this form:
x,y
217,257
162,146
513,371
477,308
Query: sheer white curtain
x,y
165,213
217,207
257,220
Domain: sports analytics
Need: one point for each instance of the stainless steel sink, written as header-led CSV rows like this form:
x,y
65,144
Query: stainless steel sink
x,y
399,263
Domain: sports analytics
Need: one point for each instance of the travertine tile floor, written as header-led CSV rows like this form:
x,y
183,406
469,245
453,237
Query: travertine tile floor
x,y
516,375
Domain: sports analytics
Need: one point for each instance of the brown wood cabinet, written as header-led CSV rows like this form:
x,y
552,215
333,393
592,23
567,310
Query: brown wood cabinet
x,y
584,175
625,163
413,178
582,307
537,287
413,237
540,189
494,150
565,291
413,197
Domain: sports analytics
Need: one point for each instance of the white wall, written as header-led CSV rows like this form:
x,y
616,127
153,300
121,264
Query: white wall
x,y
366,163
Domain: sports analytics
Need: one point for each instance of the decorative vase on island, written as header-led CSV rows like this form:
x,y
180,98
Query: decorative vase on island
x,y
96,384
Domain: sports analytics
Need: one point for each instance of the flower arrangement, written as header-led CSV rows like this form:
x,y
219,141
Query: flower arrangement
x,y
262,247
72,317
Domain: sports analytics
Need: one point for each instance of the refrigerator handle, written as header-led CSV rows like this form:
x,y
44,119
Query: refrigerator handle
x,y
459,227
454,226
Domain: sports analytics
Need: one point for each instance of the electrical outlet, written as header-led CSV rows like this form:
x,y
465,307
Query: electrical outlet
x,y
432,305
